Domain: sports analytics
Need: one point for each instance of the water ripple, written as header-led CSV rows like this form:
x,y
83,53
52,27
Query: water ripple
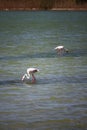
x,y
75,53
50,80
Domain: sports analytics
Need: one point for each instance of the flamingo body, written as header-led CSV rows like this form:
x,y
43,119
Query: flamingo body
x,y
32,70
61,49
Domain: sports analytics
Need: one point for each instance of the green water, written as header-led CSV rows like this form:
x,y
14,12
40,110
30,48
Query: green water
x,y
58,99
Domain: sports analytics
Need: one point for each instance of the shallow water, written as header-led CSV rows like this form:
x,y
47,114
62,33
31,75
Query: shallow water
x,y
58,99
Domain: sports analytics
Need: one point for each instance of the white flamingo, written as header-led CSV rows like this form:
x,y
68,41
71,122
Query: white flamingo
x,y
61,49
30,72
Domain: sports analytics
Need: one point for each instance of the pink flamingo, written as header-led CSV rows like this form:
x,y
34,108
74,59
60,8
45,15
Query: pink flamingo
x,y
61,49
30,72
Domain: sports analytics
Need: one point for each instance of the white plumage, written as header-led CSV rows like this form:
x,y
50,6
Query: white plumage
x,y
61,49
30,72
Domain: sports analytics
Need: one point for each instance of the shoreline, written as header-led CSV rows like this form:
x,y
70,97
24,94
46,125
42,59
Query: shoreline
x,y
35,9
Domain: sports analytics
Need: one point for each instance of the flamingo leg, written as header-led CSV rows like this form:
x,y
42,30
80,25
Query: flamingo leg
x,y
33,78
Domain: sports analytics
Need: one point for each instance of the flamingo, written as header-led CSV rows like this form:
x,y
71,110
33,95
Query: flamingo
x,y
30,72
61,49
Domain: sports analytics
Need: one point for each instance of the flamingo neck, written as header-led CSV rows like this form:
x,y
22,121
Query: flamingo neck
x,y
25,76
28,77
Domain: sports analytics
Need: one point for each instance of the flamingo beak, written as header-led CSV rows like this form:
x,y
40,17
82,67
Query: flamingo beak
x,y
22,79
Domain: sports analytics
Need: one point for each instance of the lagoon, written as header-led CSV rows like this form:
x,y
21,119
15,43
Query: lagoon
x,y
58,99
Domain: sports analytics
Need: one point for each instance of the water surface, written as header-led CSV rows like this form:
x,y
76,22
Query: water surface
x,y
58,99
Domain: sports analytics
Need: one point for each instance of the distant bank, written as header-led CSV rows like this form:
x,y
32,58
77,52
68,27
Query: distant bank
x,y
36,9
43,5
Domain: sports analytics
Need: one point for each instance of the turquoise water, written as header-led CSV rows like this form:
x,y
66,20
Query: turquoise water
x,y
58,99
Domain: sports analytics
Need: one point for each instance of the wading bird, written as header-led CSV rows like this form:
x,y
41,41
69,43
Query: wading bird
x,y
61,49
30,72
